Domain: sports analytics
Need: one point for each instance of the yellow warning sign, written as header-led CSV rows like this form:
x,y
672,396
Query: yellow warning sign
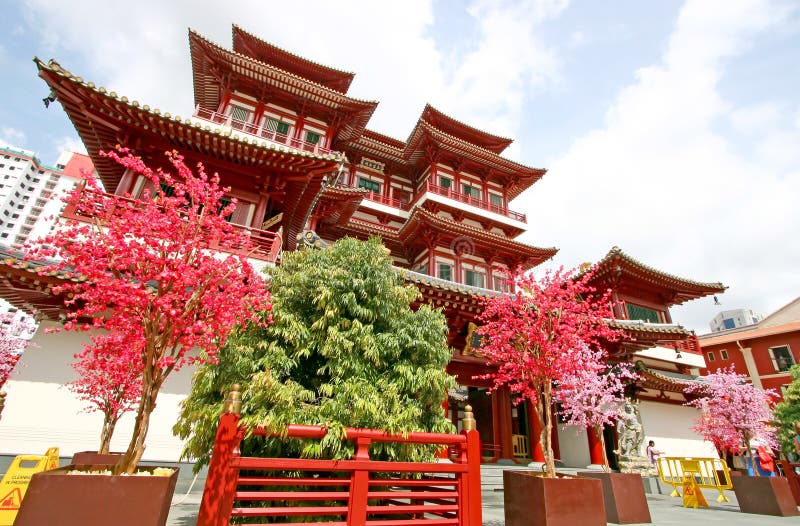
x,y
16,480
693,495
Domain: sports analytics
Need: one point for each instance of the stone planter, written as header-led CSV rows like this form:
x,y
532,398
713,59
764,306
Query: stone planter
x,y
534,500
765,496
54,497
623,496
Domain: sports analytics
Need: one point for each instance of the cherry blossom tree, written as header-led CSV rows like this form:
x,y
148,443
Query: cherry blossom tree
x,y
537,338
146,276
733,412
13,342
109,380
594,395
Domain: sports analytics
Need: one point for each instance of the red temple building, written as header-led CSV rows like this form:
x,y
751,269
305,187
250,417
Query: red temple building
x,y
294,147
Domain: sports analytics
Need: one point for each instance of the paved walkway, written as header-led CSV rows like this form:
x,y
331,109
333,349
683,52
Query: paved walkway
x,y
664,510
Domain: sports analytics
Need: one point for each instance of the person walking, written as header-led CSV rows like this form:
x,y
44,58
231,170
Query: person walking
x,y
653,453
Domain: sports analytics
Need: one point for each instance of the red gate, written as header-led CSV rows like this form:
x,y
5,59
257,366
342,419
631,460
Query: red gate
x,y
406,493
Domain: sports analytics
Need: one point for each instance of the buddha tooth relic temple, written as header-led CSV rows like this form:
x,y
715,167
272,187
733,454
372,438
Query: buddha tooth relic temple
x,y
294,147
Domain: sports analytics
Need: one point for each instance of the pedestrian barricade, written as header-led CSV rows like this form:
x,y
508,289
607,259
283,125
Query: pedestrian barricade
x,y
693,474
18,476
349,492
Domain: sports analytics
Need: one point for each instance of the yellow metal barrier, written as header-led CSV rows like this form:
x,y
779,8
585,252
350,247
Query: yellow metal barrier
x,y
520,443
693,474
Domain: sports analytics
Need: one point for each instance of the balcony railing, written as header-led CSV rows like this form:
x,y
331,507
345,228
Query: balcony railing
x,y
474,201
265,245
258,131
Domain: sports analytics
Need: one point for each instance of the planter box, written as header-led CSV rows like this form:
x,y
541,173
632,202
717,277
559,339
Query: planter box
x,y
93,458
765,496
623,495
56,498
533,500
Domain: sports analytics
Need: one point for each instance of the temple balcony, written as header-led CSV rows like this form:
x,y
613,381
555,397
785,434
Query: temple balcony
x,y
247,129
266,245
468,203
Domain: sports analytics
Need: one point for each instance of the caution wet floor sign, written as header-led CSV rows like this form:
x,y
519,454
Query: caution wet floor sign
x,y
16,480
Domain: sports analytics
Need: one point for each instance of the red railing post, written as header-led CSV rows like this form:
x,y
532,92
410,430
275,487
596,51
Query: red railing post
x,y
471,485
218,494
359,486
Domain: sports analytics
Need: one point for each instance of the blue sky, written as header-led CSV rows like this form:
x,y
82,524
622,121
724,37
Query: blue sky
x,y
670,128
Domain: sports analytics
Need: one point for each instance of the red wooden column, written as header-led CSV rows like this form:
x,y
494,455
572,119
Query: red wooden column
x,y
501,408
536,433
595,447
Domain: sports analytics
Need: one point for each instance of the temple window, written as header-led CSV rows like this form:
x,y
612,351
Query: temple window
x,y
238,113
723,354
445,182
281,128
368,184
404,196
500,283
472,191
496,200
637,312
710,356
312,137
473,278
781,357
445,271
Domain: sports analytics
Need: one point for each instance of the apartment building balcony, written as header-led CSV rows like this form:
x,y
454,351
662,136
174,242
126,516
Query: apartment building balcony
x,y
474,201
266,245
253,130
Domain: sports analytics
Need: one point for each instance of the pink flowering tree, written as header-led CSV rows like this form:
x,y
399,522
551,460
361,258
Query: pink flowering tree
x,y
733,412
594,395
536,338
147,278
13,342
109,380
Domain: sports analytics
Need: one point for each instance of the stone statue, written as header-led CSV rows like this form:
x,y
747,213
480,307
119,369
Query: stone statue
x,y
629,429
631,436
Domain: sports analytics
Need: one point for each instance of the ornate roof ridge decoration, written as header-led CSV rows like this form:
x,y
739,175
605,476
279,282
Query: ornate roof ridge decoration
x,y
443,284
420,215
462,130
520,176
333,78
644,326
654,379
617,261
384,139
129,109
333,94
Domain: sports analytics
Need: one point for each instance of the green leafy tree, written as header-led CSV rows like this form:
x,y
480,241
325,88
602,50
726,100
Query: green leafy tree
x,y
787,413
345,349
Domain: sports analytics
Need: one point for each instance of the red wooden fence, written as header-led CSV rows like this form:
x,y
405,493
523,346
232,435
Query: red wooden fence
x,y
404,493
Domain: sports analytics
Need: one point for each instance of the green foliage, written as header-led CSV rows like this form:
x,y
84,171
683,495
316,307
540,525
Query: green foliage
x,y
345,350
787,412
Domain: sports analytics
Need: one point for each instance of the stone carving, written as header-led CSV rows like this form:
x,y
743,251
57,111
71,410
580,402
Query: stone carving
x,y
310,239
631,436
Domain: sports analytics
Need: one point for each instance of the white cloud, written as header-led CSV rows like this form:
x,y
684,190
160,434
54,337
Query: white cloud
x,y
70,144
755,118
664,184
12,137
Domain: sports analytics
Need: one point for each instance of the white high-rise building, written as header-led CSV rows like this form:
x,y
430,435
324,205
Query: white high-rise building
x,y
731,319
30,192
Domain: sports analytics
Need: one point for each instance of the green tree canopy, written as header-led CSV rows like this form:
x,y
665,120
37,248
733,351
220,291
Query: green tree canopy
x,y
345,349
787,412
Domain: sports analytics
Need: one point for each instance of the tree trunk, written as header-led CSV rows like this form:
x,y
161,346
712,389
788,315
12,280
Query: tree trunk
x,y
109,424
150,389
545,413
599,431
